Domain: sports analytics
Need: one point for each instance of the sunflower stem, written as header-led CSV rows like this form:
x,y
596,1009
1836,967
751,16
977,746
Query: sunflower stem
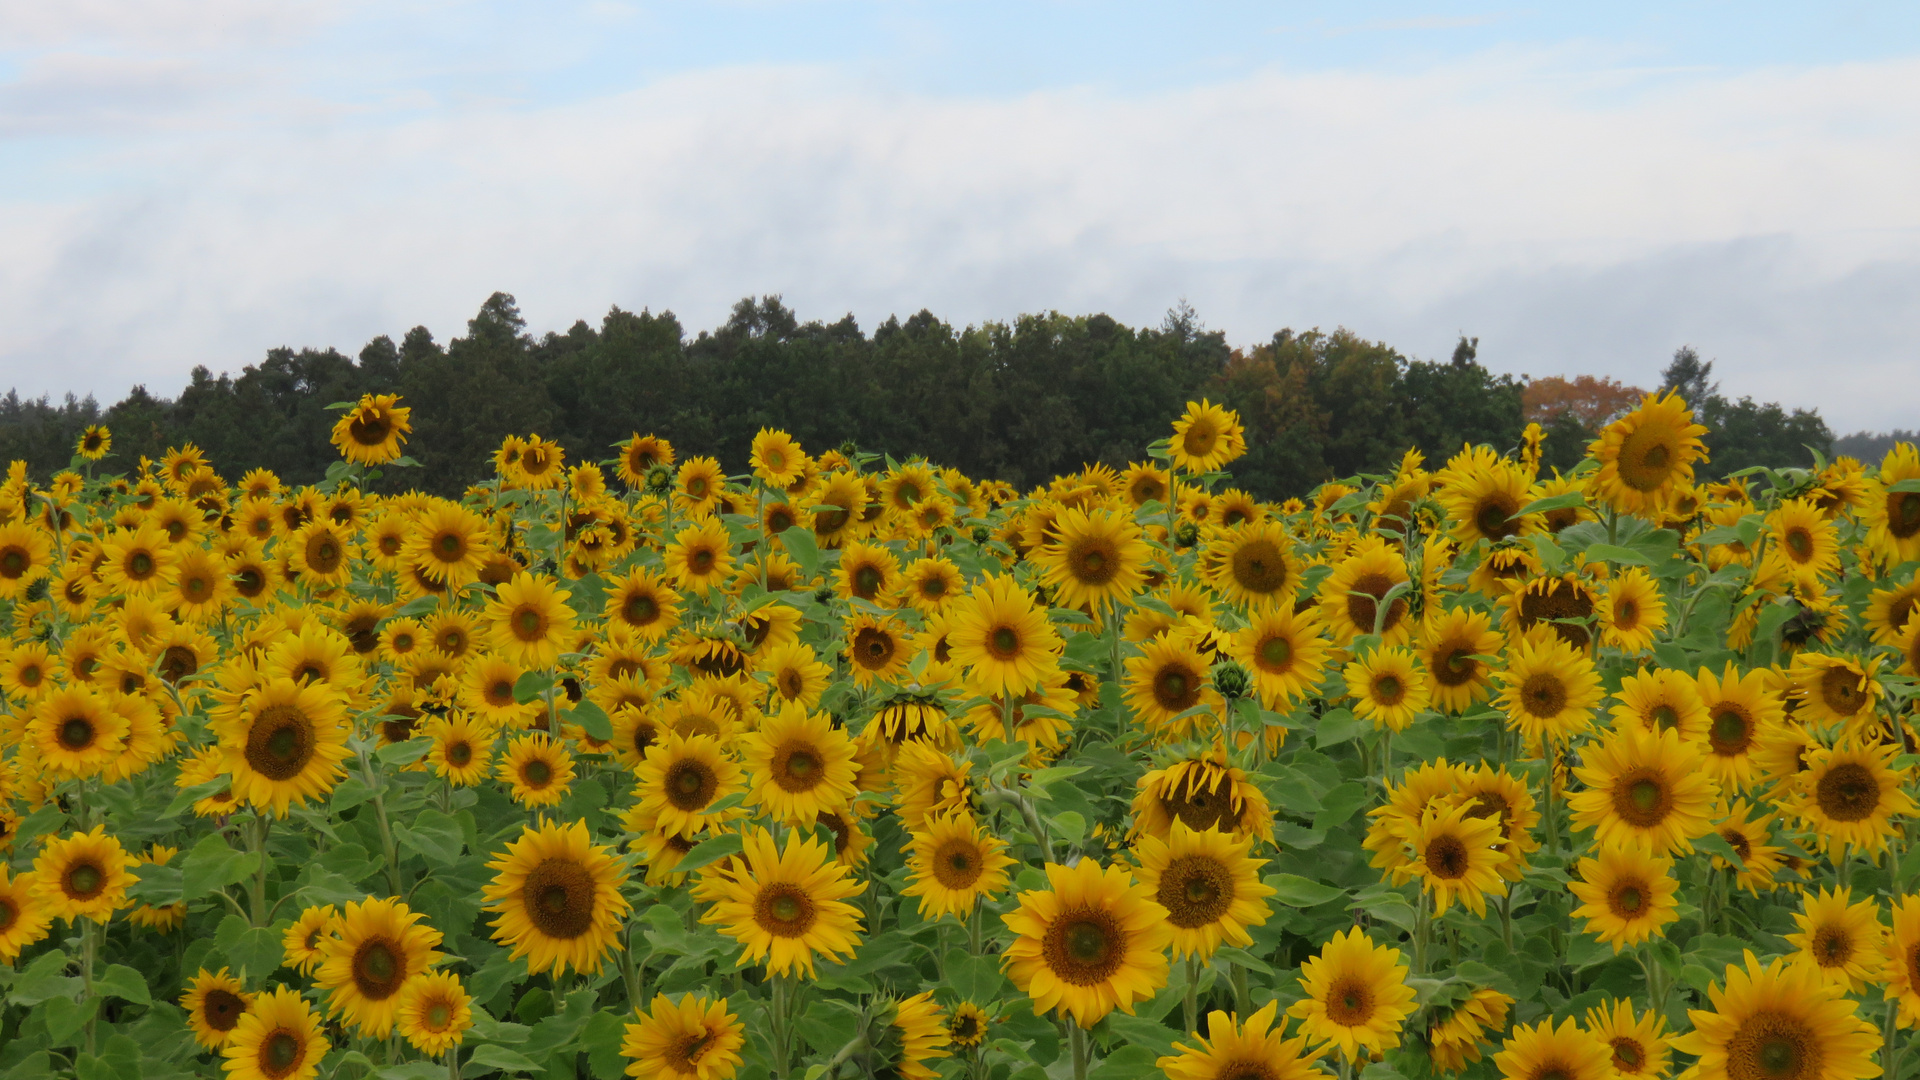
x,y
453,1063
1242,994
387,847
974,928
1190,1001
1077,1039
89,947
257,844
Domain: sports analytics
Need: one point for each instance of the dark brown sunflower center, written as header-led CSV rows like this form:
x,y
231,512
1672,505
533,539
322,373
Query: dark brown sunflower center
x,y
1275,653
1840,690
377,968
280,743
460,753
1848,792
1084,947
1771,1045
640,609
1556,600
529,624
1646,461
867,580
872,648
1628,899
1093,561
691,785
559,897
1260,567
1627,1055
222,1009
536,773
1388,690
1448,858
1642,799
1494,515
1731,732
1453,664
1544,695
1200,809
1003,642
1196,890
84,881
1832,946
1349,1002
77,732
280,1052
797,766
957,863
1363,602
1200,437
784,910
1176,687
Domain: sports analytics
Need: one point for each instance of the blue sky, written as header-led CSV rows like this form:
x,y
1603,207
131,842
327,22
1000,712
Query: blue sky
x,y
1584,187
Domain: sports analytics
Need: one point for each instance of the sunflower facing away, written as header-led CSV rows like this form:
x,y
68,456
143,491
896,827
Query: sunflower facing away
x,y
1843,940
381,944
1256,1050
696,1039
920,1036
1209,885
1357,997
1781,1021
784,905
277,1038
1457,1038
954,864
1094,940
1627,894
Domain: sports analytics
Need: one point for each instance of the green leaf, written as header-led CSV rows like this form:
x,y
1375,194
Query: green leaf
x,y
499,1057
251,950
1715,844
1140,1031
212,865
65,1017
531,685
435,836
194,794
1071,826
975,978
1551,502
602,1037
1340,804
38,824
709,850
1296,891
158,884
415,608
1612,553
592,719
1126,1063
805,550
119,1059
123,982
403,753
1338,726
44,980
1904,486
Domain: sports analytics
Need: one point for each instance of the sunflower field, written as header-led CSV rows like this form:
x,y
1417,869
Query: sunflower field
x,y
848,767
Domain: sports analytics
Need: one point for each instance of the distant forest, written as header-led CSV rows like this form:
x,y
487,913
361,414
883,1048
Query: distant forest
x,y
1021,400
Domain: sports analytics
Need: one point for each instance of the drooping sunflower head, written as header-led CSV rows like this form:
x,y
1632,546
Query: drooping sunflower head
x,y
1202,793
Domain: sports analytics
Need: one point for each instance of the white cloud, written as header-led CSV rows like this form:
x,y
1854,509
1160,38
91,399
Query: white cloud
x,y
1575,222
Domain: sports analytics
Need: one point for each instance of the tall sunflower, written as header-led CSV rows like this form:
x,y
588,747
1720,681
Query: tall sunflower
x,y
1252,565
1094,940
95,442
1900,961
284,742
1646,788
214,1003
1483,493
1005,640
1743,714
1782,1021
1892,517
25,556
798,765
1626,895
1093,559
1646,454
867,571
681,780
1457,856
84,875
1632,612
555,898
954,864
1388,688
1850,794
23,917
643,603
278,1038
448,544
1544,1052
784,905
1454,646
75,732
1549,689
380,945
529,620
1357,997
1256,1050
1840,938
777,458
695,1039
371,432
1209,885
1169,678
1352,596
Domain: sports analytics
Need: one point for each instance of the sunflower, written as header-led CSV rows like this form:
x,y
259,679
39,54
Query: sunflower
x,y
681,780
1660,699
253,574
1387,688
486,688
1455,1039
1144,483
1094,559
1900,960
1092,941
1357,995
968,1025
639,455
435,1012
371,432
697,1039
25,556
23,917
1042,717
1849,795
529,620
1351,596
838,509
1004,639
284,742
930,585
867,572
1835,689
538,767
301,943
1209,885
1643,787
1166,681
1284,651
448,545
643,603
1627,894
1255,1050
954,864
278,1038
1206,437
95,442
1483,493
877,648
1784,1021
542,464
1544,1052
1636,1043
796,674
1498,794
1252,565
1456,855
165,918
138,561
556,898
701,556
214,1003
380,944
1804,541
1843,940
75,731
920,1035
698,485
82,876
1203,793
322,553
1453,647
798,765
1748,837
1743,714
928,781
1632,612
785,905
1893,517
1549,689
27,672
1566,603
1646,454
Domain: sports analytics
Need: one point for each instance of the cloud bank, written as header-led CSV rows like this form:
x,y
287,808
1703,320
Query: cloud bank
x,y
1576,217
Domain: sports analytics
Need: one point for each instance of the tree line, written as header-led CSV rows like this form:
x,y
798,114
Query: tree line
x,y
1021,401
